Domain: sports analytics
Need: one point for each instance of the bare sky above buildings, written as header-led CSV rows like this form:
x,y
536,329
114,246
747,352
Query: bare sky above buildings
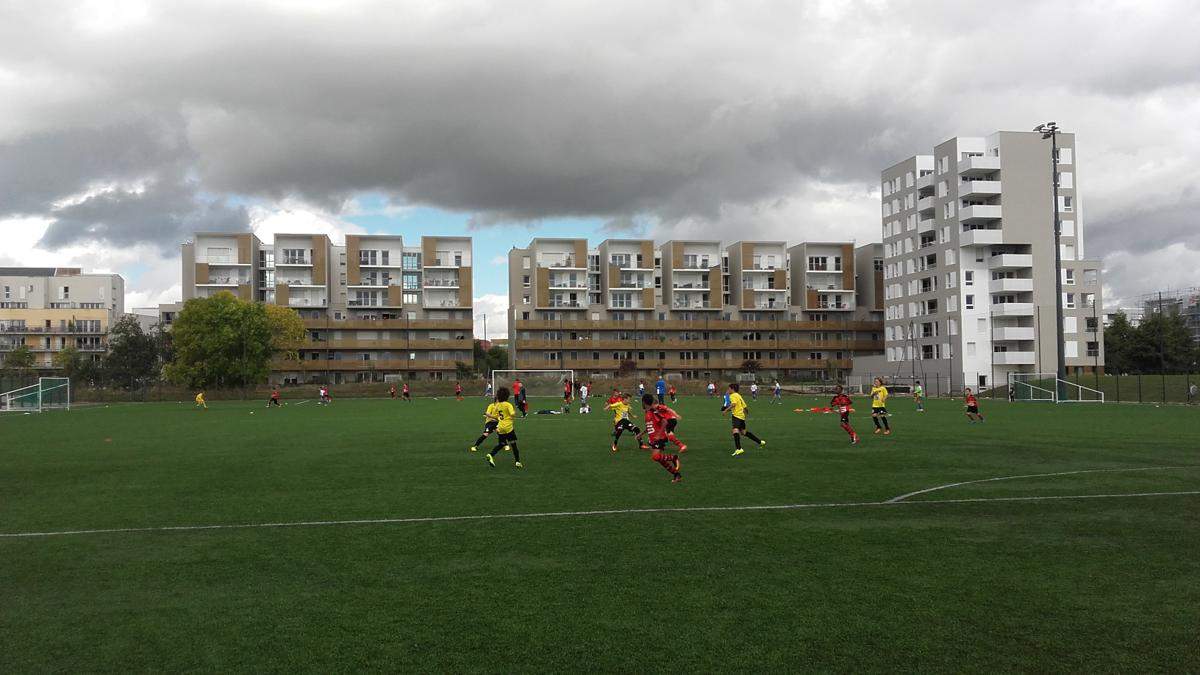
x,y
126,125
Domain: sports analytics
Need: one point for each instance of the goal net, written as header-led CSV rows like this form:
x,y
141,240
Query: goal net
x,y
536,383
1048,387
50,393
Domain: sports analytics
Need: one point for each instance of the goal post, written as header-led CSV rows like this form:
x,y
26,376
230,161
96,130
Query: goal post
x,y
1048,387
536,383
50,393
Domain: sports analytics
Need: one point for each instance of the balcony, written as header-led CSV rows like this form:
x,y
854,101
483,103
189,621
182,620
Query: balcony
x,y
926,204
1010,261
925,181
979,188
565,285
440,283
982,238
307,302
925,225
980,213
224,282
1011,358
973,166
691,287
693,305
1013,309
1011,286
564,264
1013,333
293,262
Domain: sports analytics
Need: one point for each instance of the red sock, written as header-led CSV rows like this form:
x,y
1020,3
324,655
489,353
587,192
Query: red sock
x,y
849,429
671,437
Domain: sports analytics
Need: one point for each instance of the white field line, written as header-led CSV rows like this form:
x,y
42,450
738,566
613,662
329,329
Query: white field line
x,y
901,498
569,514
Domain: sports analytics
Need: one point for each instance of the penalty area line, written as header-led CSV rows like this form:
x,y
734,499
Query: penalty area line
x,y
572,514
901,498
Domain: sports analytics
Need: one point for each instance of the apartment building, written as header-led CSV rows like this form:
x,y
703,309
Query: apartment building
x,y
968,260
375,308
697,309
48,309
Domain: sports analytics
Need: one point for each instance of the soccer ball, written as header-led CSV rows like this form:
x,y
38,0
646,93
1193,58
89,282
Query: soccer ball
x,y
251,412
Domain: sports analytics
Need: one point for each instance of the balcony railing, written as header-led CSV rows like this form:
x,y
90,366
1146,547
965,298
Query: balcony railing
x,y
441,283
294,260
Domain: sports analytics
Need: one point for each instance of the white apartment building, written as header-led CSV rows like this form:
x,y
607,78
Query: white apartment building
x,y
48,309
968,262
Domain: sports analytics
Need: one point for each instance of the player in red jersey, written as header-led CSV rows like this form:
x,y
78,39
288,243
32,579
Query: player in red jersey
x,y
392,392
405,393
841,405
973,413
659,419
274,400
457,391
670,420
671,392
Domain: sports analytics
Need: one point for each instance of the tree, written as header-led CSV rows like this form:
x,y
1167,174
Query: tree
x,y
488,360
1164,344
287,331
221,341
1118,345
69,361
463,371
19,362
132,358
750,366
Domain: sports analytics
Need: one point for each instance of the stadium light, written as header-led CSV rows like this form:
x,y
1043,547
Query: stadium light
x,y
1050,130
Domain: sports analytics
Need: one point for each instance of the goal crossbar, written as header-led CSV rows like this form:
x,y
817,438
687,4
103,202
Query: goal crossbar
x,y
536,382
48,393
1049,387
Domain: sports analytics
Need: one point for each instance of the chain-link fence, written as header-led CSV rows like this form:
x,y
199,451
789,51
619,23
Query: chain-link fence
x,y
1131,388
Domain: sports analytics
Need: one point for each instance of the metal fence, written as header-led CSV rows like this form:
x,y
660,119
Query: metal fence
x,y
1131,388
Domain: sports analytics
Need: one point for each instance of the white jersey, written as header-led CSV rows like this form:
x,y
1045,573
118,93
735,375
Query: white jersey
x,y
583,391
754,389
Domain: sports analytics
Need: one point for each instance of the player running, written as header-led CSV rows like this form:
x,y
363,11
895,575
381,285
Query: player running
x,y
491,420
200,401
274,400
671,392
754,391
505,428
841,405
405,393
619,404
879,413
458,391
919,396
660,428
777,393
712,389
670,420
973,413
736,407
323,397
392,392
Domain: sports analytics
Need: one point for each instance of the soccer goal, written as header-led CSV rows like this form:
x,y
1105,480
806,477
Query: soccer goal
x,y
50,393
1047,387
536,383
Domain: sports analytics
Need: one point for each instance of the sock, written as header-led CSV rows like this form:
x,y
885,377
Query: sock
x,y
737,441
479,441
752,437
885,423
849,429
876,419
516,452
671,437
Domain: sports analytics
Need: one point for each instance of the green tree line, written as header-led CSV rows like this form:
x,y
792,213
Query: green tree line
x,y
1159,343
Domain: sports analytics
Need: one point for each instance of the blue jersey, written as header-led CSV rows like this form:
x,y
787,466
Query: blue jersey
x,y
660,387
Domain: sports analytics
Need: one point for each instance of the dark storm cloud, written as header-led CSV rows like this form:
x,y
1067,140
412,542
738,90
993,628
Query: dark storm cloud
x,y
717,118
1148,226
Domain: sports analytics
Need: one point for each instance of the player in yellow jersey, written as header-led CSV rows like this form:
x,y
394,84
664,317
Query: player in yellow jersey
x,y
879,413
619,405
200,400
505,415
490,422
736,406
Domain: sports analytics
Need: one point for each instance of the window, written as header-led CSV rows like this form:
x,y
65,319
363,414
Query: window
x,y
410,298
970,349
1065,156
818,263
969,302
1069,300
525,281
1093,349
968,278
410,261
1066,203
1069,277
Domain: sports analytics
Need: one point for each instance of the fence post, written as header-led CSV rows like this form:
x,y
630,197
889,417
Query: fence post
x,y
1164,386
1117,379
1139,387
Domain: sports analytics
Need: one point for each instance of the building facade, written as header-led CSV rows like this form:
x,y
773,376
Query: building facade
x,y
968,261
1184,303
48,309
696,309
374,308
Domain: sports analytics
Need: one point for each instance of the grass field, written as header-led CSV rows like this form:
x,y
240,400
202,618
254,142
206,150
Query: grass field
x,y
995,576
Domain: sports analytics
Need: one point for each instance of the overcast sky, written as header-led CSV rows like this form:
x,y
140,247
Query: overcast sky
x,y
126,125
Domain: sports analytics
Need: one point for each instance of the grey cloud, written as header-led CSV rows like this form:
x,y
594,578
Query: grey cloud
x,y
718,119
162,213
1148,227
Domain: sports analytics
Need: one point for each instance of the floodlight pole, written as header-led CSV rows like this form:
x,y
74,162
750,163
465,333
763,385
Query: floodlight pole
x,y
1050,130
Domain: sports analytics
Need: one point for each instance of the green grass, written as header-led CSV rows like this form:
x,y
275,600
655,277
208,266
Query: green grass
x,y
1110,584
